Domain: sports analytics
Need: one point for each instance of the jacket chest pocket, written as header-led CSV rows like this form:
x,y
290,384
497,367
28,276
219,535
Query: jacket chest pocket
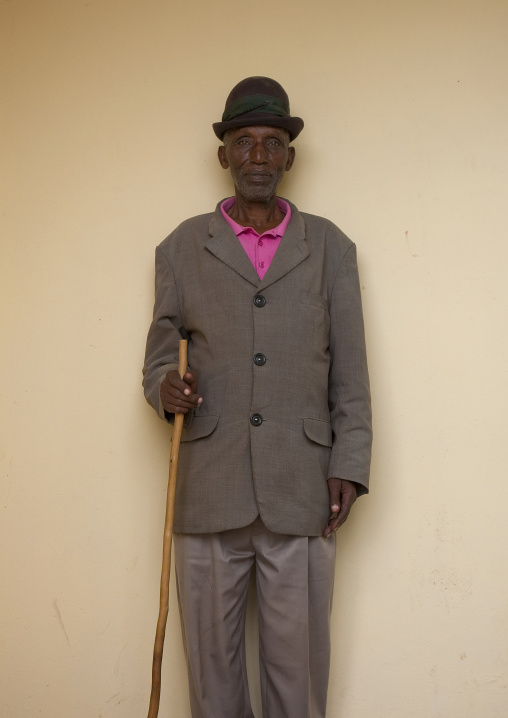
x,y
314,300
315,314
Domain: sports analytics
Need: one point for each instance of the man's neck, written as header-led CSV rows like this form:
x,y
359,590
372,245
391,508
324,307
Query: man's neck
x,y
259,216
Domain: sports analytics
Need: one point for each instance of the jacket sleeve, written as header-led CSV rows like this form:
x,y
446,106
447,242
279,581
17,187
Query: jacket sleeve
x,y
349,392
164,334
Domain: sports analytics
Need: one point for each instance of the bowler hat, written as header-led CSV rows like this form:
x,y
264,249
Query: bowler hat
x,y
258,101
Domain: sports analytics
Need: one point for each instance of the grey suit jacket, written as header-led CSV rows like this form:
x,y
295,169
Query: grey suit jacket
x,y
282,371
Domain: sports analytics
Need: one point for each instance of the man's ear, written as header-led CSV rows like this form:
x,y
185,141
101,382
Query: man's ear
x,y
291,158
221,153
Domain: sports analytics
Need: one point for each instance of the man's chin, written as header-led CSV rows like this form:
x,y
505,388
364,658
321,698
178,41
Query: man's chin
x,y
257,192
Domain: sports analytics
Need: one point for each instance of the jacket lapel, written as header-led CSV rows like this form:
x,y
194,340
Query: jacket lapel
x,y
224,244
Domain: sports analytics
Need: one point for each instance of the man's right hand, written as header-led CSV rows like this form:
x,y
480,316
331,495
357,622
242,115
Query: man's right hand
x,y
179,395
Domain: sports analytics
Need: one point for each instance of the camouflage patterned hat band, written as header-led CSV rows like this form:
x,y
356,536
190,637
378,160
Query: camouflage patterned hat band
x,y
272,105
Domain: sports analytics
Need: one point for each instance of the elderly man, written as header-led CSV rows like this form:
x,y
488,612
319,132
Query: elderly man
x,y
277,417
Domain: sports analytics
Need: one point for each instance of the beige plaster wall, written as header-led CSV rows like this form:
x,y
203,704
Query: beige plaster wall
x,y
107,106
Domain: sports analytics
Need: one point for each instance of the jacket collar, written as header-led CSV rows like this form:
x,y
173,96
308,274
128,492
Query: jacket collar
x,y
292,250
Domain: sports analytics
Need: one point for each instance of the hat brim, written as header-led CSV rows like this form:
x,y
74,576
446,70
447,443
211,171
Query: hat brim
x,y
294,125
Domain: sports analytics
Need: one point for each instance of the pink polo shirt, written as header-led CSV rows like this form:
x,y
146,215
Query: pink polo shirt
x,y
260,248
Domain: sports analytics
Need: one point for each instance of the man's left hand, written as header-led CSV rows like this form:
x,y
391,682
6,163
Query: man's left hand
x,y
342,497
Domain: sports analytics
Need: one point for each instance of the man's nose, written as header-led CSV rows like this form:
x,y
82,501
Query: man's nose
x,y
258,153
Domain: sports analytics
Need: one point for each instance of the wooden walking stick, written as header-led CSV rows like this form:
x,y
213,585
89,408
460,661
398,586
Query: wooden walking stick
x,y
158,648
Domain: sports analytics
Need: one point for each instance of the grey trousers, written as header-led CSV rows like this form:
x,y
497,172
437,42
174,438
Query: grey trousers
x,y
294,584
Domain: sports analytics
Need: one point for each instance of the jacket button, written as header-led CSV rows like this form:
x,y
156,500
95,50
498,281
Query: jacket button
x,y
259,359
259,300
256,419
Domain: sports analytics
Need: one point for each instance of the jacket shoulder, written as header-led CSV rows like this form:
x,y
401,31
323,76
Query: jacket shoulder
x,y
323,236
194,226
325,227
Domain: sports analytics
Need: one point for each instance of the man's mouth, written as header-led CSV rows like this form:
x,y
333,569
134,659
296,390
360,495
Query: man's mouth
x,y
258,176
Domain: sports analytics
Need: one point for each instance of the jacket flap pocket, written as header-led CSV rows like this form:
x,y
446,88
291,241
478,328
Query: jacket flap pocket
x,y
200,427
319,431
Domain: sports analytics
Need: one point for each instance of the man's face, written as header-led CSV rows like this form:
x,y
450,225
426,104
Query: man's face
x,y
257,158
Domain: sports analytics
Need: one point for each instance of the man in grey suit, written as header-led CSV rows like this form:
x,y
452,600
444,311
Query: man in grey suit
x,y
277,437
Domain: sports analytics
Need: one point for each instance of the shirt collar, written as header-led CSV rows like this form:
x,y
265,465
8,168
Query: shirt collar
x,y
270,233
